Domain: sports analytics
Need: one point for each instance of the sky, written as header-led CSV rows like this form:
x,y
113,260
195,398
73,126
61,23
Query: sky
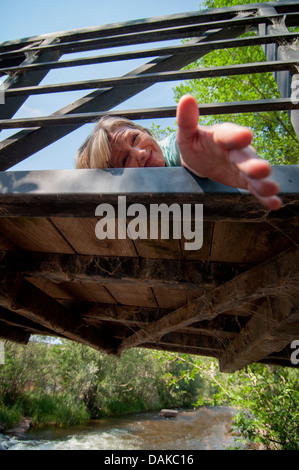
x,y
24,18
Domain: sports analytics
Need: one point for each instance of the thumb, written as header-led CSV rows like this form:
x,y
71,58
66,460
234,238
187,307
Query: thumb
x,y
187,117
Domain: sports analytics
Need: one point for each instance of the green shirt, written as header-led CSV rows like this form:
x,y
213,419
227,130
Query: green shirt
x,y
170,150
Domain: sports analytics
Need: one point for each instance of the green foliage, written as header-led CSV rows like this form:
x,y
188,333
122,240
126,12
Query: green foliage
x,y
266,397
229,3
274,136
69,383
159,133
10,415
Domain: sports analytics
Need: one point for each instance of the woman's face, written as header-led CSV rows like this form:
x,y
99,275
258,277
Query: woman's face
x,y
131,148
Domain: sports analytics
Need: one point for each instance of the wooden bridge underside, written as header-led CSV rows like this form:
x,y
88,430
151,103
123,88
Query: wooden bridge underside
x,y
235,299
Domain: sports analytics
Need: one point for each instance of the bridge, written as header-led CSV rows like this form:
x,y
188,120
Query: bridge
x,y
234,297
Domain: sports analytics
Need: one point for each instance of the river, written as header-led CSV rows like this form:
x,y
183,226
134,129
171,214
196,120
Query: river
x,y
202,429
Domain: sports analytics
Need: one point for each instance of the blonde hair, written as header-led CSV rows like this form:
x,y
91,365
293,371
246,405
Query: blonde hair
x,y
96,150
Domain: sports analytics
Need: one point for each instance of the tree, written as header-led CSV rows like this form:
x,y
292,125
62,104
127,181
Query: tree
x,y
275,138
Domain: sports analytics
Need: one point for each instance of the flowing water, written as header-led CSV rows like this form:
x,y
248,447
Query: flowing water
x,y
203,429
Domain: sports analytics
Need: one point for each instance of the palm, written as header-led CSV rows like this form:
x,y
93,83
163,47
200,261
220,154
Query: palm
x,y
223,153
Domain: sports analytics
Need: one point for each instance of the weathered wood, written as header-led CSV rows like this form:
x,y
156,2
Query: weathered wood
x,y
23,298
201,342
80,234
181,349
32,233
13,333
263,334
223,326
253,243
11,319
175,274
252,284
123,314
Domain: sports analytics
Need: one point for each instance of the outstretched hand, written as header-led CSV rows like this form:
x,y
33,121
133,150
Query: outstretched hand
x,y
223,153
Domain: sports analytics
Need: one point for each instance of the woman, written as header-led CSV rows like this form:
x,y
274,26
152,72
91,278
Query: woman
x,y
221,152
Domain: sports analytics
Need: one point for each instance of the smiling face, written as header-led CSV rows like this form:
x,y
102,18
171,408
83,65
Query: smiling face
x,y
133,148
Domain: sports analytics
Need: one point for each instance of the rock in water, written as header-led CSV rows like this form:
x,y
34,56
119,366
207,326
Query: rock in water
x,y
168,413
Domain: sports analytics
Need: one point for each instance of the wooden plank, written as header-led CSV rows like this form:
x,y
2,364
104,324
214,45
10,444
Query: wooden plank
x,y
223,326
121,314
170,298
89,291
86,292
34,234
262,334
180,348
80,233
194,341
58,291
126,295
252,284
177,274
246,243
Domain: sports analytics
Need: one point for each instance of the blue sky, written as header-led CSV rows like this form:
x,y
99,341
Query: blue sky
x,y
23,18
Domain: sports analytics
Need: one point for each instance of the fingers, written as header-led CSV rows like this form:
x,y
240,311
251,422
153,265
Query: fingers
x,y
270,202
249,163
256,172
265,190
232,136
187,117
